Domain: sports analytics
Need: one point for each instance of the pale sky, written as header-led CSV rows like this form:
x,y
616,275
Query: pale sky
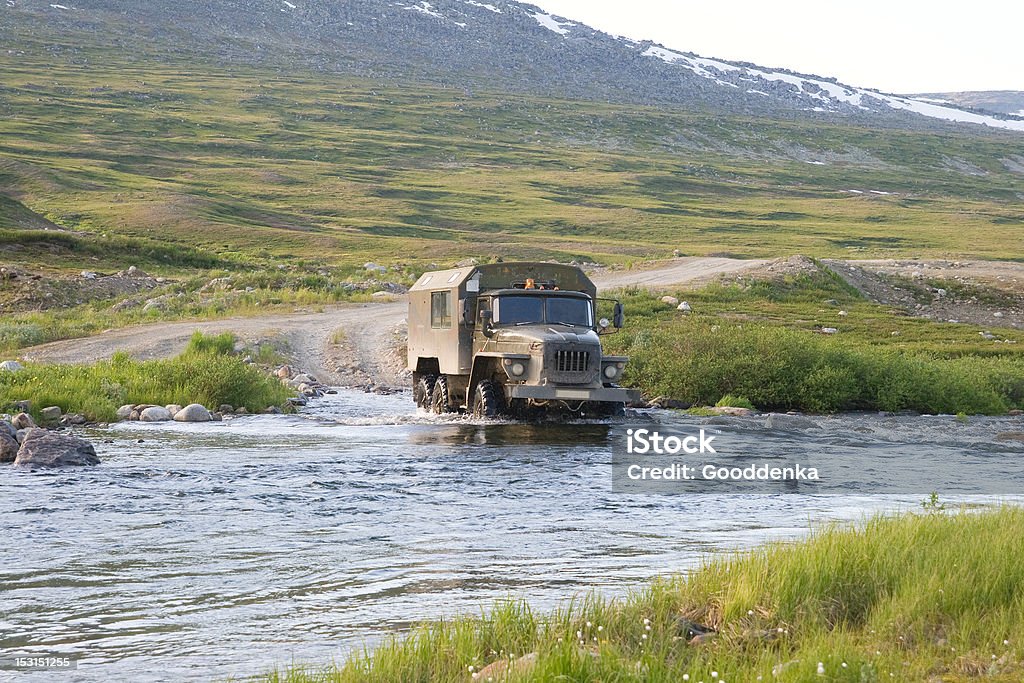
x,y
898,46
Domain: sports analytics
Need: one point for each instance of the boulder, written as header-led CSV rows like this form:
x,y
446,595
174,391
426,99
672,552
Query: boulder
x,y
125,411
284,372
193,413
8,447
731,411
7,428
155,414
51,414
685,307
670,300
785,421
272,410
10,366
73,419
242,411
41,448
216,417
173,409
23,421
303,379
225,409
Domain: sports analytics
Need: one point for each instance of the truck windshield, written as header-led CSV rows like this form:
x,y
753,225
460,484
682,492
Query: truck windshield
x,y
524,310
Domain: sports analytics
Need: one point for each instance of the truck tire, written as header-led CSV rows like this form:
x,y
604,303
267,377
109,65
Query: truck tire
x,y
488,399
441,401
423,391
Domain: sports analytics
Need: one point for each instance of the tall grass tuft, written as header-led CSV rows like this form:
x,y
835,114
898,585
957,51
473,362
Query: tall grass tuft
x,y
207,372
934,596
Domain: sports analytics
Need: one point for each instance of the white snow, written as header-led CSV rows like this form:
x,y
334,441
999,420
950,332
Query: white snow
x,y
426,8
758,92
827,94
474,3
854,191
697,65
59,7
881,193
552,24
290,5
816,163
1019,113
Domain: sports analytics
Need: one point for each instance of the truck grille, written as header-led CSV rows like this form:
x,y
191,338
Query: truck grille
x,y
572,361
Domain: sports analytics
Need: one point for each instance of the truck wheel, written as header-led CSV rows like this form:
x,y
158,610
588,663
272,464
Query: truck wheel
x,y
441,401
423,391
488,399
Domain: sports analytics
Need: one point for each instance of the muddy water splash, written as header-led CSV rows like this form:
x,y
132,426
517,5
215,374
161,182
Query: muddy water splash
x,y
199,552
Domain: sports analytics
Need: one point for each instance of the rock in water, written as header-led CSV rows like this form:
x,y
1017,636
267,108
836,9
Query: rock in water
x,y
193,413
51,414
23,421
10,366
125,411
8,447
50,449
155,414
7,428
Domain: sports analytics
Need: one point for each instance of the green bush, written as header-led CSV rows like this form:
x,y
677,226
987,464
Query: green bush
x,y
207,373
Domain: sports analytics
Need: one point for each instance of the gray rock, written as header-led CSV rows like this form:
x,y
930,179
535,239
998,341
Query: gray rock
x,y
8,447
7,428
155,414
73,419
225,409
22,433
784,421
670,300
685,307
23,421
125,411
193,413
51,414
242,411
304,379
41,448
216,417
173,409
10,366
272,410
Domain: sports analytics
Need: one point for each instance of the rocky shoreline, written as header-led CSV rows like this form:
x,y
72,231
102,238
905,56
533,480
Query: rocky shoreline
x,y
47,444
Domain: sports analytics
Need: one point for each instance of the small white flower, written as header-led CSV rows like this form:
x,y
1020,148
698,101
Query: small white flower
x,y
647,628
1006,642
645,636
600,628
714,674
646,621
471,667
821,668
579,634
686,677
589,624
844,665
750,612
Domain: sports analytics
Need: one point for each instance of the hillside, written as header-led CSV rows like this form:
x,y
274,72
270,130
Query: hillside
x,y
501,45
141,134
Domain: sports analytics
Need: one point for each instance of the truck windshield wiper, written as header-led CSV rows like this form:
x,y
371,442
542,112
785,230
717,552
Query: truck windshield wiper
x,y
528,322
559,322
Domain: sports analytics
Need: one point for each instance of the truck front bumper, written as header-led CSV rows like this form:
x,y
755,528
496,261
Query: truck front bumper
x,y
557,393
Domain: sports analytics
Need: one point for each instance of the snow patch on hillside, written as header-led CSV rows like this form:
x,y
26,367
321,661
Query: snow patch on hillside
x,y
552,24
826,95
426,8
474,3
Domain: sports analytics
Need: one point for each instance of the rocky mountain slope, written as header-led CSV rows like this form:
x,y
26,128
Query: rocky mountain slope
x,y
465,44
986,101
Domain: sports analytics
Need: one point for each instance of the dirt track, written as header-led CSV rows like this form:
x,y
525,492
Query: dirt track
x,y
368,352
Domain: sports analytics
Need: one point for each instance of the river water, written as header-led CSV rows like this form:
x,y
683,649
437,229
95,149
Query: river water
x,y
198,552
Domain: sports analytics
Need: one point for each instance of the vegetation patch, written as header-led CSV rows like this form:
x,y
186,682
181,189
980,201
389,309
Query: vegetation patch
x,y
930,596
809,342
208,372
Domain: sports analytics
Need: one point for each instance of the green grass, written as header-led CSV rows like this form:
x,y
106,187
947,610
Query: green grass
x,y
208,372
180,165
761,341
923,597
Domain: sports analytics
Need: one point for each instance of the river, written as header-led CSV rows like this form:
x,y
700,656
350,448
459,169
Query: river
x,y
198,552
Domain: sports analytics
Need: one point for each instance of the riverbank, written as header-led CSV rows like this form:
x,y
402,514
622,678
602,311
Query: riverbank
x,y
930,596
209,372
807,340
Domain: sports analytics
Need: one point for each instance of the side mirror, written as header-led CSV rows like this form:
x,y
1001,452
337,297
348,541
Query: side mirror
x,y
619,316
468,304
486,317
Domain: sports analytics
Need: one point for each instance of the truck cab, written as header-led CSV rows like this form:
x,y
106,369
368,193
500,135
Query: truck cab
x,y
512,339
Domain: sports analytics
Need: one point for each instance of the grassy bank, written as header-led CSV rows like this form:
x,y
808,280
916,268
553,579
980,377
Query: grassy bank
x,y
923,597
762,341
208,372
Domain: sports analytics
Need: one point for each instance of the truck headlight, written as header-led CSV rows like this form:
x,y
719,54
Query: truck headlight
x,y
610,371
518,369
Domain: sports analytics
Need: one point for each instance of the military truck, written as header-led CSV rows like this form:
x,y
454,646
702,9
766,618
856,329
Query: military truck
x,y
512,339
